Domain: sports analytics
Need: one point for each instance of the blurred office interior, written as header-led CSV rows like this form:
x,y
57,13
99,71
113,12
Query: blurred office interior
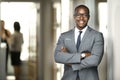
x,y
42,21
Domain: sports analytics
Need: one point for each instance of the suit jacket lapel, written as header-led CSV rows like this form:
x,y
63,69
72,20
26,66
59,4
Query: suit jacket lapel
x,y
86,35
72,37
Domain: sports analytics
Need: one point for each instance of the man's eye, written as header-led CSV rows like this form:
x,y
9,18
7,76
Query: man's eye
x,y
81,15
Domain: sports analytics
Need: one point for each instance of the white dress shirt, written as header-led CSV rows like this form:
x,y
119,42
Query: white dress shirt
x,y
77,33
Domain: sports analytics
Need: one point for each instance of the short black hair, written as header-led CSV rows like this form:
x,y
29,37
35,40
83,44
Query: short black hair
x,y
16,26
81,6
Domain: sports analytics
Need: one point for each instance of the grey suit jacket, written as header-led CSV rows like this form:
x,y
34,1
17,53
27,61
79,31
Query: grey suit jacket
x,y
92,42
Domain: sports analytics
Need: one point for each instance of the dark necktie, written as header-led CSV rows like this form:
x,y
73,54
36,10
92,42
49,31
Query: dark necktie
x,y
77,46
78,40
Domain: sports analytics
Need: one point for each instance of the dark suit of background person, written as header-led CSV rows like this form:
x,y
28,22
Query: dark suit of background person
x,y
92,46
5,35
16,42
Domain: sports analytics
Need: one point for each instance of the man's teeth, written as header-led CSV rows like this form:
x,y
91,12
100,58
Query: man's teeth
x,y
81,21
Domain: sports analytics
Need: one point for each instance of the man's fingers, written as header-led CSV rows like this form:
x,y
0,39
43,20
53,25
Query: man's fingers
x,y
63,49
88,54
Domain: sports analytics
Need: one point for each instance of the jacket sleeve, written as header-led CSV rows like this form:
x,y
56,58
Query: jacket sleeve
x,y
64,58
96,54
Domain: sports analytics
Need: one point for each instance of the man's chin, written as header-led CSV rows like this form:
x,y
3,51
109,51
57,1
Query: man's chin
x,y
81,27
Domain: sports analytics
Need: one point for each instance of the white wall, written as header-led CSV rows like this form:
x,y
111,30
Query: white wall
x,y
114,36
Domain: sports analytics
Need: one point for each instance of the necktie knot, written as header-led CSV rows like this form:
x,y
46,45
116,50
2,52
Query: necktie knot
x,y
80,32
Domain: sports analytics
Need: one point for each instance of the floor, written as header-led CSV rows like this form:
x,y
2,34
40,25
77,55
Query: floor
x,y
24,70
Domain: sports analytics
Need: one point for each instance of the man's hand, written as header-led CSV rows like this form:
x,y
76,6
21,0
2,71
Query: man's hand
x,y
63,49
87,54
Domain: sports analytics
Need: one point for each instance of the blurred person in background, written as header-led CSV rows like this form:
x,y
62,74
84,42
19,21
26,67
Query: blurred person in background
x,y
5,36
16,42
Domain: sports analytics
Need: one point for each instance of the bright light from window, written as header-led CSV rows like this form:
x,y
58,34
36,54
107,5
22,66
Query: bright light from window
x,y
25,13
103,17
65,15
10,77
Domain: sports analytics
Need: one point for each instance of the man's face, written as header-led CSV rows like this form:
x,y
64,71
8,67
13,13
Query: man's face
x,y
81,17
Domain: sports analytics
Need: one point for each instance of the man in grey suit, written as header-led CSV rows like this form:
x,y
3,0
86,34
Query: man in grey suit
x,y
81,63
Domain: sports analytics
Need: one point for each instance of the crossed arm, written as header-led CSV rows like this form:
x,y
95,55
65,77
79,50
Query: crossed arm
x,y
92,59
65,50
